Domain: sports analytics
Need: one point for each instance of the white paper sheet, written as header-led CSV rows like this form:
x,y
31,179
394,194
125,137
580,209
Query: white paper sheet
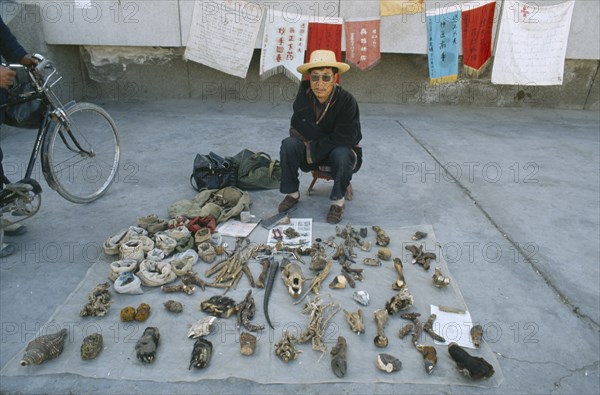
x,y
235,228
301,225
454,327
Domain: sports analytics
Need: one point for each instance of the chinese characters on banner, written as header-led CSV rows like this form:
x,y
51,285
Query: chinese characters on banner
x,y
477,22
362,42
397,7
224,40
284,43
532,44
325,33
443,42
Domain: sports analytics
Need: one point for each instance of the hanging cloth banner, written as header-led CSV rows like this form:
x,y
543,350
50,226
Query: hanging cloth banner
x,y
443,42
398,7
532,44
362,42
477,22
223,35
324,33
284,43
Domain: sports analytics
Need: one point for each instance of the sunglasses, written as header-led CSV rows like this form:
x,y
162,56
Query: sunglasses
x,y
324,77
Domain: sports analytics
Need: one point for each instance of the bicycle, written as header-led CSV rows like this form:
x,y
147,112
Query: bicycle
x,y
78,142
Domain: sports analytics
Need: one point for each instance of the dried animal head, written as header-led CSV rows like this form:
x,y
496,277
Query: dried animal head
x,y
355,320
293,279
43,348
202,327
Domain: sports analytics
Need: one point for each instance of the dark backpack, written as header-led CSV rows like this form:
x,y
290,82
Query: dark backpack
x,y
257,170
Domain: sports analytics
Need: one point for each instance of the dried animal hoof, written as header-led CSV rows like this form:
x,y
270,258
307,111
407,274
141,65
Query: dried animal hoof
x,y
293,279
339,282
429,357
98,302
439,280
285,348
201,354
127,314
202,327
388,363
43,348
473,367
361,297
419,256
355,320
207,252
247,343
419,235
401,301
338,357
384,253
173,306
219,306
142,312
145,347
372,262
476,335
381,317
91,346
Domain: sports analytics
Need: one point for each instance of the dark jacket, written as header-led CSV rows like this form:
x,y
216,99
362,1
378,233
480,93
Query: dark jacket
x,y
339,127
12,52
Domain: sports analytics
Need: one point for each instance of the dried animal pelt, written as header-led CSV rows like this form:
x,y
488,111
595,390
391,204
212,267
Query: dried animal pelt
x,y
99,301
43,348
473,367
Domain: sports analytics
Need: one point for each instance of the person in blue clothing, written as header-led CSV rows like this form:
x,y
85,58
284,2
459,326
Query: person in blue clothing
x,y
10,51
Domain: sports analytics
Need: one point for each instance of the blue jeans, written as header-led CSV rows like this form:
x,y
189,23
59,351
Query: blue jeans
x,y
293,158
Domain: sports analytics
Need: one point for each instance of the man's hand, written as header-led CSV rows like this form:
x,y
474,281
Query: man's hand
x,y
7,77
28,60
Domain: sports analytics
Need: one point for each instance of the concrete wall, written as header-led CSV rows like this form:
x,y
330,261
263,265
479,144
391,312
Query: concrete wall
x,y
131,73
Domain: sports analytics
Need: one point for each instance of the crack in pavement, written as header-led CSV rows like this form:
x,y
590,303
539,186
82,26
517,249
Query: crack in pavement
x,y
573,371
575,309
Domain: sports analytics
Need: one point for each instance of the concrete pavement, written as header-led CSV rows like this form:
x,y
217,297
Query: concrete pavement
x,y
513,196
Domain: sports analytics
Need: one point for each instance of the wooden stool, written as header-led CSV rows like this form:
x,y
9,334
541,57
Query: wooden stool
x,y
325,175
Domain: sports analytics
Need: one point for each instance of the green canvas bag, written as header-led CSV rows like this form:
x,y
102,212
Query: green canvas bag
x,y
257,170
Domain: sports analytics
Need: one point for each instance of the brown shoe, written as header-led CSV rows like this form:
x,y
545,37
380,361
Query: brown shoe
x,y
335,214
287,203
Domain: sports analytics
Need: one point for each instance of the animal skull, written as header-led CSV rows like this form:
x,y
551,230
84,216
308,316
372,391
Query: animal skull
x,y
292,278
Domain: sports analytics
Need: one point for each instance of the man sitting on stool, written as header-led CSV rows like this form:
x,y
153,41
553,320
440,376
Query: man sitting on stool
x,y
324,131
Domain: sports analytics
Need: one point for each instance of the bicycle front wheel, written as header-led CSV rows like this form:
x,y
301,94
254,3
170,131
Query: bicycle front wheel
x,y
81,159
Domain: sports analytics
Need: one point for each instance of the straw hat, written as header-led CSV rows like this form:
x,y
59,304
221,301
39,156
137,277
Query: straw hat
x,y
323,58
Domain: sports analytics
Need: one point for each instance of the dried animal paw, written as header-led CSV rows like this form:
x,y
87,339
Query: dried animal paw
x,y
201,354
388,363
145,347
